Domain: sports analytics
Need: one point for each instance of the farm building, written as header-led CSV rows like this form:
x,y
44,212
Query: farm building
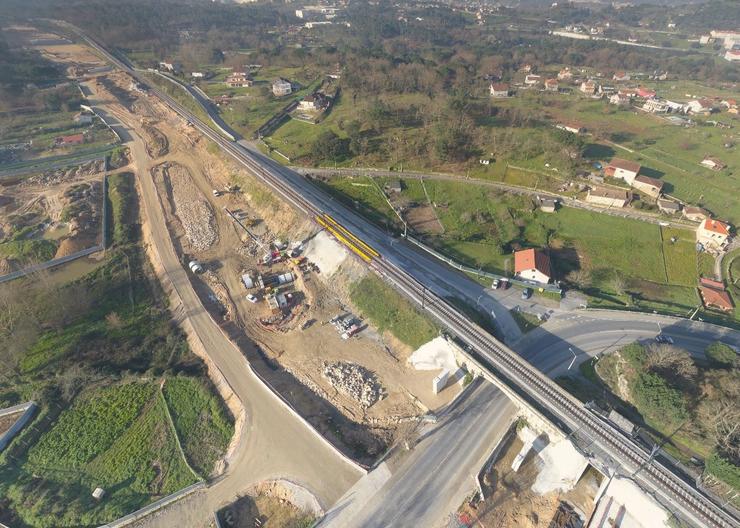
x,y
608,196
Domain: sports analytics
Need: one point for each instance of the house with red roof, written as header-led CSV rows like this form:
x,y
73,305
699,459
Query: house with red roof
x,y
68,141
552,85
714,294
645,93
713,234
532,264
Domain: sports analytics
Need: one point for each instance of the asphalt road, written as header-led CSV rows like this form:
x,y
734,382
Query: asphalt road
x,y
433,479
593,333
275,443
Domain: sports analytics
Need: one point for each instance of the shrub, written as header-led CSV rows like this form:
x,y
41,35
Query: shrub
x,y
723,469
659,402
721,354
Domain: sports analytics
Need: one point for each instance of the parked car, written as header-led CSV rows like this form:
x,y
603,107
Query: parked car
x,y
660,338
526,293
495,284
252,298
504,284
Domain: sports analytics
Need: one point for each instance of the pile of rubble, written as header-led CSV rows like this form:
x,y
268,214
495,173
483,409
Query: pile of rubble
x,y
355,381
57,176
219,294
193,211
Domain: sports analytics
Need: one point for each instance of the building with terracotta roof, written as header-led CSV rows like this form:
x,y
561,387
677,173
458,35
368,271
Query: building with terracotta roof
x,y
713,234
499,90
623,169
714,295
552,85
532,264
649,186
608,196
66,141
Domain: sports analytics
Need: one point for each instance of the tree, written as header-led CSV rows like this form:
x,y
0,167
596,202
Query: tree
x,y
618,283
721,354
580,277
330,147
671,363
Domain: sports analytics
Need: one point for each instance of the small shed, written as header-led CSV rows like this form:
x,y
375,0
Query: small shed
x,y
98,493
395,186
548,205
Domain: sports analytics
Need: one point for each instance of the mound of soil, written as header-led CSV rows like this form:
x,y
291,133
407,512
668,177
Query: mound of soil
x,y
68,246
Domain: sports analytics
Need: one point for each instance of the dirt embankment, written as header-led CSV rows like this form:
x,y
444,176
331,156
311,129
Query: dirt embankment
x,y
156,142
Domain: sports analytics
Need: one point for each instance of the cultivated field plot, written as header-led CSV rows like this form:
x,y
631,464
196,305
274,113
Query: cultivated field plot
x,y
45,120
50,215
119,438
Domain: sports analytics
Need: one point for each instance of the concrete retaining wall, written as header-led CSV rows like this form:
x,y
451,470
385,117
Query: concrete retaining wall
x,y
28,409
158,505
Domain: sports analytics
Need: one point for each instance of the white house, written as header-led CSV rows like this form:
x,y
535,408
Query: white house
x,y
713,163
281,87
713,234
656,106
623,169
499,90
532,264
532,79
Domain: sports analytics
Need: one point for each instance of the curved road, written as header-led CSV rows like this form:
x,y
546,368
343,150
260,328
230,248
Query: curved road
x,y
275,442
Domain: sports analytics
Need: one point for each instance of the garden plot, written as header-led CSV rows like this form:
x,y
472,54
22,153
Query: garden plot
x,y
50,215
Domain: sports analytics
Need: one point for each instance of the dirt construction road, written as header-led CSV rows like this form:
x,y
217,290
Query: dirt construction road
x,y
275,443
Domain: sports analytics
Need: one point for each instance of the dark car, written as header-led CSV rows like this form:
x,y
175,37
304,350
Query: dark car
x,y
526,293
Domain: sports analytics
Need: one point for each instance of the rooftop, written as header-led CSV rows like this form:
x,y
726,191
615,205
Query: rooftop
x,y
532,259
619,163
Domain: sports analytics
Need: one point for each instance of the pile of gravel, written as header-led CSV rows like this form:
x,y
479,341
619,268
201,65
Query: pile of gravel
x,y
355,381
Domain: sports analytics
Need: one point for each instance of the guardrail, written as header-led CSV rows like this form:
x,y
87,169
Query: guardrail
x,y
154,506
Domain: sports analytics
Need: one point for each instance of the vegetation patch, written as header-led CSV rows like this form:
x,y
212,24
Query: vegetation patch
x,y
389,311
202,423
691,407
91,353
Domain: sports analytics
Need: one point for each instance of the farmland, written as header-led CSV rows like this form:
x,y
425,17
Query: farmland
x,y
627,262
92,353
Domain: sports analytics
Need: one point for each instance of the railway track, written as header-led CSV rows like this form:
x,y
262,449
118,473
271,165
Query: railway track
x,y
519,374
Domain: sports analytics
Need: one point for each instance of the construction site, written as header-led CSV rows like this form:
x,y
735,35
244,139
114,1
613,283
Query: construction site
x,y
275,283
51,214
531,483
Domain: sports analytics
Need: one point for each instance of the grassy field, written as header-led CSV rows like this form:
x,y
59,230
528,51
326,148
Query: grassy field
x,y
666,151
387,310
116,438
91,354
630,263
201,421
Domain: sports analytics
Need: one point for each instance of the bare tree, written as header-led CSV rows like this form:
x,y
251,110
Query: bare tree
x,y
618,283
671,361
580,277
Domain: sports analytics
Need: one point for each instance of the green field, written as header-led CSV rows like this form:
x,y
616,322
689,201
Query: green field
x,y
116,438
91,353
483,227
201,421
387,310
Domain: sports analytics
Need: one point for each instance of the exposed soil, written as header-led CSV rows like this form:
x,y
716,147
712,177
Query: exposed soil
x,y
423,220
512,503
289,347
7,421
263,511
